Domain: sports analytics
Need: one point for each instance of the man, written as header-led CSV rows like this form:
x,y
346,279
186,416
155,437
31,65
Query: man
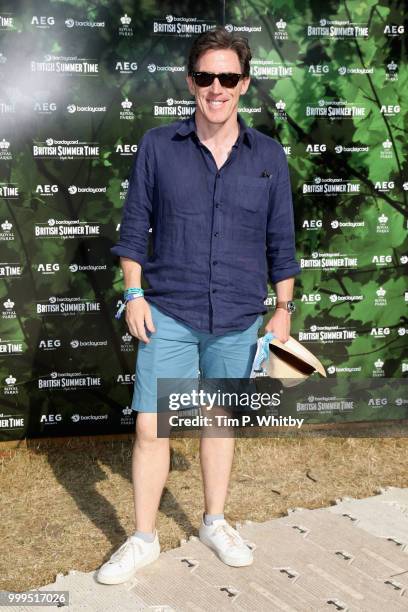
x,y
217,196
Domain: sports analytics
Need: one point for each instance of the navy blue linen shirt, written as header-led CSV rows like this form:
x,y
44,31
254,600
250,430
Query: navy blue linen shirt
x,y
218,234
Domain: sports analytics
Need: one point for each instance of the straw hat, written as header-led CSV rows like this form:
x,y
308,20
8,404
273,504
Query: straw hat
x,y
291,362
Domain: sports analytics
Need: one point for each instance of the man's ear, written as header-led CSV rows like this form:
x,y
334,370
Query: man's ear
x,y
245,84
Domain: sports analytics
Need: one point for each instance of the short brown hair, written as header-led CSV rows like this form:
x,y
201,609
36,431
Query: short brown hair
x,y
219,38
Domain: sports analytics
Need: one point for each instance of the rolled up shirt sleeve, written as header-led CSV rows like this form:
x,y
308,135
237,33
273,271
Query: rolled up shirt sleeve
x,y
137,210
280,232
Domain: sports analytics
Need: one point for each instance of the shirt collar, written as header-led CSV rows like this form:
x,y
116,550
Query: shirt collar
x,y
189,126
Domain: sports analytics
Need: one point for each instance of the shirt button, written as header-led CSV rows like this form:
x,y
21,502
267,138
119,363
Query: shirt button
x,y
215,263
216,234
218,175
214,290
217,205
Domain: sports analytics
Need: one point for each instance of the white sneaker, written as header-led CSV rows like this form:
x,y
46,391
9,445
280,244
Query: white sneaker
x,y
132,555
226,542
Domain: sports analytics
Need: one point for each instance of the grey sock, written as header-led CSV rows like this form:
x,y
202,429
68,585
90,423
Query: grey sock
x,y
209,518
143,535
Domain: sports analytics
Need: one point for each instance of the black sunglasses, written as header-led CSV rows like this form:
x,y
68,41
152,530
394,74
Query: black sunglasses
x,y
226,79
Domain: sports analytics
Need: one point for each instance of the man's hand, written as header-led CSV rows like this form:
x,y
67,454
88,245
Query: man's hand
x,y
279,324
138,314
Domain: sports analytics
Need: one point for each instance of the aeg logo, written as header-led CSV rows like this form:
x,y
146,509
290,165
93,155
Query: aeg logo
x,y
312,224
46,189
311,298
381,260
49,345
50,418
316,149
318,69
378,401
380,332
43,21
393,30
48,268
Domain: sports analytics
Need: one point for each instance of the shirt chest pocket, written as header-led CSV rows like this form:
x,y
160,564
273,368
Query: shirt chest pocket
x,y
246,208
248,194
253,193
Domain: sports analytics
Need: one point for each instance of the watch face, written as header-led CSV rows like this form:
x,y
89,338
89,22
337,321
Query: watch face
x,y
291,307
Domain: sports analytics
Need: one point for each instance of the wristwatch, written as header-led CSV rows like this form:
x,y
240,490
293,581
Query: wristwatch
x,y
289,306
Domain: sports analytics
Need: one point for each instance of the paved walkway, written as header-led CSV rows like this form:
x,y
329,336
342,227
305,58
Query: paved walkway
x,y
348,557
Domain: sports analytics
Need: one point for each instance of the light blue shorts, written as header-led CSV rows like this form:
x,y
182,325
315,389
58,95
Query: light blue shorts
x,y
177,351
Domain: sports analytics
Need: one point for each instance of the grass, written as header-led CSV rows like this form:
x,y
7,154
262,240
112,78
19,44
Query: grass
x,y
69,505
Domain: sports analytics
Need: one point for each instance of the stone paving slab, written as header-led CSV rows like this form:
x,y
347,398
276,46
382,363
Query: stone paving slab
x,y
350,557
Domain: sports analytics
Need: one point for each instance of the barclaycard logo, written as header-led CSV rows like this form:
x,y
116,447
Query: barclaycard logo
x,y
332,369
335,297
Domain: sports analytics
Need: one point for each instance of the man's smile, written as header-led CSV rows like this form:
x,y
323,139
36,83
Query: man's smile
x,y
215,102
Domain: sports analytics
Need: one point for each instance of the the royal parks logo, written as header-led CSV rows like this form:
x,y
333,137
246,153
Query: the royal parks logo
x,y
5,151
125,26
127,111
11,386
280,31
8,310
6,230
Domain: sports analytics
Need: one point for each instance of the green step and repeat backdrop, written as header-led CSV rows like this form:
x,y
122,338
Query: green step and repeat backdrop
x,y
80,84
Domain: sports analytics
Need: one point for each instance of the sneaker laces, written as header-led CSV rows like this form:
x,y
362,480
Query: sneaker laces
x,y
122,550
230,534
